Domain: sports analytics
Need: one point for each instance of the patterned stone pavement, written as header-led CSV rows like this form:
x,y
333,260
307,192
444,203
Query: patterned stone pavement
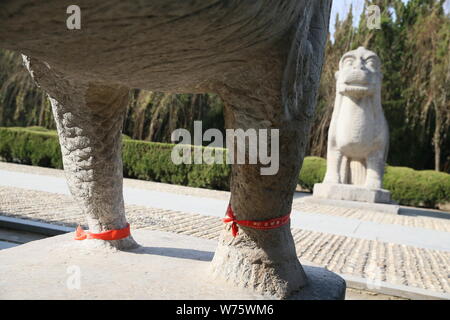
x,y
370,259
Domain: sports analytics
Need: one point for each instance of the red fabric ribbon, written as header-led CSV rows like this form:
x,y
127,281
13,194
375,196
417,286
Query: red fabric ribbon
x,y
262,225
115,234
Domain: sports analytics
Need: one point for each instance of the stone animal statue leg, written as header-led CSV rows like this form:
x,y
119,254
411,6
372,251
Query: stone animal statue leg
x,y
375,170
265,97
89,120
263,260
334,155
334,164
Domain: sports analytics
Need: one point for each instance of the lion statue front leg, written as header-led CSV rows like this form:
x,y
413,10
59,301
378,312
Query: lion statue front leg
x,y
375,170
334,161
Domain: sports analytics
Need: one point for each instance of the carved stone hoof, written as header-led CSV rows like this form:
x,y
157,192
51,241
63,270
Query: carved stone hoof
x,y
251,268
123,244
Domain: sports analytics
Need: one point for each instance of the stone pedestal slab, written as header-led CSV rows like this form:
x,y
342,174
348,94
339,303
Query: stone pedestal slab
x,y
351,193
166,266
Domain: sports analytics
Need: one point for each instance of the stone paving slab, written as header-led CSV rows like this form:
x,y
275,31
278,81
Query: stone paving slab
x,y
370,259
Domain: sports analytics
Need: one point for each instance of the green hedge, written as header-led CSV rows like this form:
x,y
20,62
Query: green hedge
x,y
152,161
141,160
424,188
33,145
313,171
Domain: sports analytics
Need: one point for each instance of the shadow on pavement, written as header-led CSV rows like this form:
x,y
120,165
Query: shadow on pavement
x,y
414,212
176,253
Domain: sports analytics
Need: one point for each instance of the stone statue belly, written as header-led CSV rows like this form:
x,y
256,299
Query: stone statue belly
x,y
356,132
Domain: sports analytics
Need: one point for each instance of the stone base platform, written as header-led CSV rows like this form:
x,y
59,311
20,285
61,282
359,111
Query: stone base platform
x,y
166,266
351,193
354,197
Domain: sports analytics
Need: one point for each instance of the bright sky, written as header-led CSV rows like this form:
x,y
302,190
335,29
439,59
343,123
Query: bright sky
x,y
342,7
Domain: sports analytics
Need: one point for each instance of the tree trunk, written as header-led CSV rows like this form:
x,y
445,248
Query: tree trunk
x,y
437,140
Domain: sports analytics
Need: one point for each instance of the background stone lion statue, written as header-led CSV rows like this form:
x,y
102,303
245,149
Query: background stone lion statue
x,y
358,136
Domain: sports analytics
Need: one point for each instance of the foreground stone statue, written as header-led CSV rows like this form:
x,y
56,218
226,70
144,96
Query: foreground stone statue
x,y
358,136
263,58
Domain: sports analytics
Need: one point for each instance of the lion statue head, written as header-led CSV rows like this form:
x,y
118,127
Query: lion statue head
x,y
359,74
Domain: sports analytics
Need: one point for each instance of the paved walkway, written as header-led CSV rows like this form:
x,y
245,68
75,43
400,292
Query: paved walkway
x,y
408,250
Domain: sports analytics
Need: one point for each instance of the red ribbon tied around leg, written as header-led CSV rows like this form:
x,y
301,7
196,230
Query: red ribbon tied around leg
x,y
261,225
115,234
231,218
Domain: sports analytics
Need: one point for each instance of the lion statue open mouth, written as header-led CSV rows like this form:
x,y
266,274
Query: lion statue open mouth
x,y
358,135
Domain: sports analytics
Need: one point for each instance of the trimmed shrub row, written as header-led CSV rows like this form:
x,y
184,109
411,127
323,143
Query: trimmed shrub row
x,y
152,161
32,145
141,160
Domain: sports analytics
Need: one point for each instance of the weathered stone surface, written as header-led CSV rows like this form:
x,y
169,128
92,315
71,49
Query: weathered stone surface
x,y
351,192
263,58
160,45
358,136
265,259
167,266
